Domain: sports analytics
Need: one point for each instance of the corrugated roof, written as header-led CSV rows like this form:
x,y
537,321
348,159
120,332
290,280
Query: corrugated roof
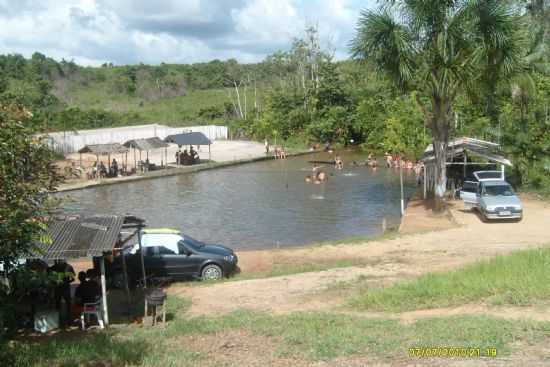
x,y
457,147
193,138
81,237
104,149
146,144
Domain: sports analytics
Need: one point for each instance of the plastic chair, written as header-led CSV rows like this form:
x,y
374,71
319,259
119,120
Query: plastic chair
x,y
92,309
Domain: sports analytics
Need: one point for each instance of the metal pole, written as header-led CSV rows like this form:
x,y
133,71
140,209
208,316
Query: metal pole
x,y
209,155
464,170
104,292
126,287
502,168
142,260
402,195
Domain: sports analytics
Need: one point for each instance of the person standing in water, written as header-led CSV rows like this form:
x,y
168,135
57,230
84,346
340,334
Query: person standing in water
x,y
338,162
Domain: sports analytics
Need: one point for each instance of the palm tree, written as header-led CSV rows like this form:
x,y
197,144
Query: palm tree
x,y
440,48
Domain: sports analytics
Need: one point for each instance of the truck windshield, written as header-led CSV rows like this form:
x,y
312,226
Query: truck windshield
x,y
499,190
192,243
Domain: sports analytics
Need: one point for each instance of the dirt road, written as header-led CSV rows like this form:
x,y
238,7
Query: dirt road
x,y
381,262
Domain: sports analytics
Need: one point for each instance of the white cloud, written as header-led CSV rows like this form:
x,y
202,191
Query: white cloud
x,y
124,31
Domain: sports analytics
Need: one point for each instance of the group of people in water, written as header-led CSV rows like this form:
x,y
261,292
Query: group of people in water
x,y
186,159
392,161
397,161
278,152
319,176
370,162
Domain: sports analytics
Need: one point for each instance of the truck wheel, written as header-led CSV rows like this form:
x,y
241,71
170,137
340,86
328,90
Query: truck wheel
x,y
211,272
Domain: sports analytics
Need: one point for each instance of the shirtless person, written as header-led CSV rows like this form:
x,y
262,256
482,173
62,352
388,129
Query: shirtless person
x,y
338,162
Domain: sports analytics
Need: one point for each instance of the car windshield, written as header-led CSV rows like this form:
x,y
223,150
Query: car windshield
x,y
498,190
192,243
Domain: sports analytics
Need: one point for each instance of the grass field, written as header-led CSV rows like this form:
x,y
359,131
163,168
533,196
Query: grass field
x,y
298,336
175,111
306,337
521,278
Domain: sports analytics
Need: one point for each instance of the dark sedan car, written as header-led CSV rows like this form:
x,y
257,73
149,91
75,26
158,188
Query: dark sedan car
x,y
171,255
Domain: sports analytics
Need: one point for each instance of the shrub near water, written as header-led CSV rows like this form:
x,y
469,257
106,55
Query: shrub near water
x,y
517,279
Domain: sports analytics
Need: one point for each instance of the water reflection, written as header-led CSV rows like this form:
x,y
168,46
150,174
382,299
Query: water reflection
x,y
259,205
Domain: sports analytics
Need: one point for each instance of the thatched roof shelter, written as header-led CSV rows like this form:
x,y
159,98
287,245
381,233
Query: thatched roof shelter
x,y
104,149
146,144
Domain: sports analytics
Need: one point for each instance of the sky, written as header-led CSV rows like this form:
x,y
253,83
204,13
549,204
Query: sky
x,y
92,32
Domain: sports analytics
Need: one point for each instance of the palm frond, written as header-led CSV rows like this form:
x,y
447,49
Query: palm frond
x,y
387,43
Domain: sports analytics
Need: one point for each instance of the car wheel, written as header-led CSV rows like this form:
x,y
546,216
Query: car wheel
x,y
482,216
211,272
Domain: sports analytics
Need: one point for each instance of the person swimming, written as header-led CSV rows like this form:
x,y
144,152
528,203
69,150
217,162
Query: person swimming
x,y
338,162
321,176
317,179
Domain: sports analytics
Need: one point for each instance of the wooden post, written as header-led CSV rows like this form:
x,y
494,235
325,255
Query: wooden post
x,y
80,154
402,195
104,292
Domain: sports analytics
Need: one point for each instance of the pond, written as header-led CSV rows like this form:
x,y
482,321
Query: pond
x,y
259,205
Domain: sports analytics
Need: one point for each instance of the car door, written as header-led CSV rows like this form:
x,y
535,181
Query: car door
x,y
153,263
190,260
469,193
170,260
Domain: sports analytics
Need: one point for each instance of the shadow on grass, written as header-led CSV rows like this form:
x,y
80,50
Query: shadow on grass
x,y
123,311
73,348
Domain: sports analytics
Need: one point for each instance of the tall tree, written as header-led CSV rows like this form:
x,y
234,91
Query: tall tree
x,y
437,47
27,175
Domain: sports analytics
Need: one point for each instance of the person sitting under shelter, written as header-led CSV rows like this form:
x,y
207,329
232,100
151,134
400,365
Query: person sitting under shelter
x,y
63,290
185,159
194,156
114,168
102,170
88,291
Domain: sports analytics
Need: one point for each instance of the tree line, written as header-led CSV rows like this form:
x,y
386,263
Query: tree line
x,y
474,68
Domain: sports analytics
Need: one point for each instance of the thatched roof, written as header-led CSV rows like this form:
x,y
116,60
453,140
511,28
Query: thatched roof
x,y
104,149
146,144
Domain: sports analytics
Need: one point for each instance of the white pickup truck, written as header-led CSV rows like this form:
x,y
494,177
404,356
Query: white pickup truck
x,y
492,196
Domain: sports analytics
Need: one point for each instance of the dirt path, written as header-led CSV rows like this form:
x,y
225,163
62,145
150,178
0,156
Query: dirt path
x,y
382,262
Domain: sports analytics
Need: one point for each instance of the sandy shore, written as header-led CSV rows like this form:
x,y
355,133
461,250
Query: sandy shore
x,y
384,262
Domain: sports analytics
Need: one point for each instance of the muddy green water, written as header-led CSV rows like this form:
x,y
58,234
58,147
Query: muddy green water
x,y
259,205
